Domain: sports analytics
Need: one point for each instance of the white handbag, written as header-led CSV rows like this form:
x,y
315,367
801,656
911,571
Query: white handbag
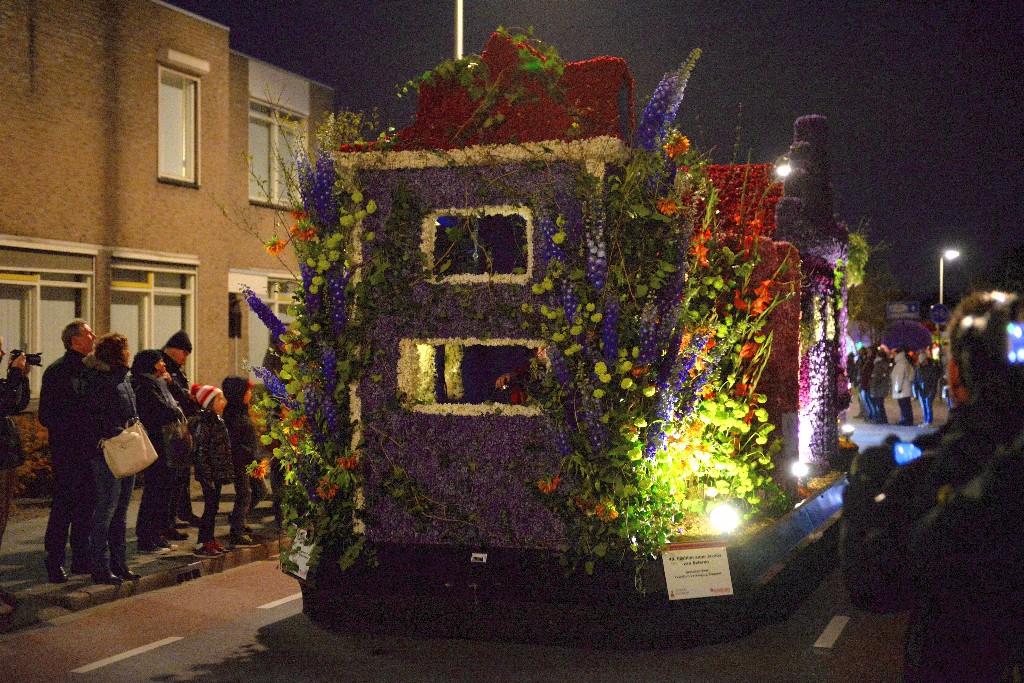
x,y
129,452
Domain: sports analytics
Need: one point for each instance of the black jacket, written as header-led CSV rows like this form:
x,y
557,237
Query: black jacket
x,y
109,399
62,406
244,442
941,537
14,396
211,449
180,388
156,407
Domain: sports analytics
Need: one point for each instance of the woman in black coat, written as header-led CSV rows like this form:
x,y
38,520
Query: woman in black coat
x,y
111,402
158,411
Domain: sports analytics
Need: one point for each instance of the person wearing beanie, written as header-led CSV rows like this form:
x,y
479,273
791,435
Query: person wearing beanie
x,y
244,450
211,457
159,413
176,351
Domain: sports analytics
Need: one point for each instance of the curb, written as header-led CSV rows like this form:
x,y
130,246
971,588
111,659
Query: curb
x,y
43,603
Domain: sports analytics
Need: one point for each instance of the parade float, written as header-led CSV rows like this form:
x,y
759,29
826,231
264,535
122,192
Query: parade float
x,y
542,352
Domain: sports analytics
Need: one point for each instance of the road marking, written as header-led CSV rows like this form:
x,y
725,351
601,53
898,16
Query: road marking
x,y
832,632
277,603
125,655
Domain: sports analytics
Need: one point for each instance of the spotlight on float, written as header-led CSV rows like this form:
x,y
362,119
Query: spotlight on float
x,y
724,518
800,469
783,168
847,429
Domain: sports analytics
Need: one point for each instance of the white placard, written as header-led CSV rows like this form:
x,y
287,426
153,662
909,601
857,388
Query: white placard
x,y
697,570
299,553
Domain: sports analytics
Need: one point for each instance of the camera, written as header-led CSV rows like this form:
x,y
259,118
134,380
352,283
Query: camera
x,y
30,358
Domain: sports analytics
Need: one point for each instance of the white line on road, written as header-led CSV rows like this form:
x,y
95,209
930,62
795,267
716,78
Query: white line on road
x,y
125,655
832,632
277,603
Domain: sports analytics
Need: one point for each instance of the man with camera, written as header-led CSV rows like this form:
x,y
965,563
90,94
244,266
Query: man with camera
x,y
934,527
62,412
13,399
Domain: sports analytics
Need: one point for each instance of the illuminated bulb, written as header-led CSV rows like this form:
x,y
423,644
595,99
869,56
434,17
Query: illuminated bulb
x,y
783,169
847,429
724,518
800,469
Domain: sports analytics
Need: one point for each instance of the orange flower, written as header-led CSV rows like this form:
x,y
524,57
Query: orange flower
x,y
326,489
738,302
701,252
276,247
667,206
677,146
549,485
639,371
749,349
300,215
261,469
348,463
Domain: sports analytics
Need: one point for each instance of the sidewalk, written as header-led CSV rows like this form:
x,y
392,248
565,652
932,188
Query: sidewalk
x,y
22,572
867,435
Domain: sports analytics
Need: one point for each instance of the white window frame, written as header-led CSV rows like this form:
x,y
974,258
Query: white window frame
x,y
149,291
190,179
276,184
33,281
428,238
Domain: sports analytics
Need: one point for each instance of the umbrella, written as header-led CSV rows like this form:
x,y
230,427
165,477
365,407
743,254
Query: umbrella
x,y
909,335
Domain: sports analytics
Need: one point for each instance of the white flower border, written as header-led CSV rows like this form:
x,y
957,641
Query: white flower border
x,y
595,153
429,237
408,367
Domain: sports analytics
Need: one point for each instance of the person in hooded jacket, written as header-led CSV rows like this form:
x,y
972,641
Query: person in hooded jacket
x,y
940,536
176,352
211,457
244,450
110,400
158,410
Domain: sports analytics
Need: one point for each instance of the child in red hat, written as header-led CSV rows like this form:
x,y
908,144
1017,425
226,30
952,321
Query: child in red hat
x,y
211,457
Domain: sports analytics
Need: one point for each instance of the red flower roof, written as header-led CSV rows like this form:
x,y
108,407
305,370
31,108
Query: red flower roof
x,y
589,99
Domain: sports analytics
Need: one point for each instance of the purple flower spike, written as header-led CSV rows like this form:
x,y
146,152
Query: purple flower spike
x,y
273,323
660,112
609,332
316,184
313,301
336,281
275,386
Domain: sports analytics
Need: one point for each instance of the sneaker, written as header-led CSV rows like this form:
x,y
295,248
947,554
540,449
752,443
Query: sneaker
x,y
242,540
220,549
208,549
157,546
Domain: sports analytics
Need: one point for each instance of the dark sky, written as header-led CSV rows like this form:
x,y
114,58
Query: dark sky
x,y
924,99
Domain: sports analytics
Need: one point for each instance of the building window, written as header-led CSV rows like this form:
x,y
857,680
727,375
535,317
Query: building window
x,y
280,295
274,139
489,244
36,304
148,304
179,97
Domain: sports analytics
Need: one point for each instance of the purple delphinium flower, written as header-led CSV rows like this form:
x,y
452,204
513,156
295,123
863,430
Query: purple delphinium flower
x,y
275,386
552,252
337,278
661,110
570,304
316,184
329,360
559,367
609,331
273,323
648,335
597,259
313,301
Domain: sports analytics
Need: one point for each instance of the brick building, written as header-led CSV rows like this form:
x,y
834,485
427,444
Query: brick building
x,y
132,135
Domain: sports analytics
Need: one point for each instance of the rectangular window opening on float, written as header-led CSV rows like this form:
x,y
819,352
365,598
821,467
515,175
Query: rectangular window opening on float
x,y
492,244
471,376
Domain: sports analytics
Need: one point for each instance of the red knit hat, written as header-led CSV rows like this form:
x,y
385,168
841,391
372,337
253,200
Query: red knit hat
x,y
204,394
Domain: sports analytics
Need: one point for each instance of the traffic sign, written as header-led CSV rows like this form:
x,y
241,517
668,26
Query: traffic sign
x,y
900,310
939,314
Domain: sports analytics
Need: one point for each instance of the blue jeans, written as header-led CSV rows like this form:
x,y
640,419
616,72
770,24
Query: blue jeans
x,y
926,408
108,542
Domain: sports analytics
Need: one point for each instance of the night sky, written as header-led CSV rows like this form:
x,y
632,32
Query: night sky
x,y
924,99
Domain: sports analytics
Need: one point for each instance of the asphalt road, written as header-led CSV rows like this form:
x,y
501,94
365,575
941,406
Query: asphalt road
x,y
246,625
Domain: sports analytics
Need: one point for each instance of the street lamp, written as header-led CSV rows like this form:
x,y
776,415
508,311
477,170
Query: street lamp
x,y
947,255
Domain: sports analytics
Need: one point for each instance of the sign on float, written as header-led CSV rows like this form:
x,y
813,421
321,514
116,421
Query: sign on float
x,y
697,570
